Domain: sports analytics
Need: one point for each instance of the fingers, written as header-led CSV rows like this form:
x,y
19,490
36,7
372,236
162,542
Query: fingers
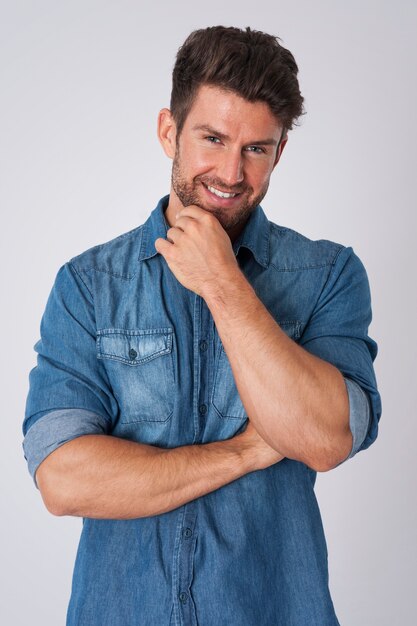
x,y
191,211
162,246
174,234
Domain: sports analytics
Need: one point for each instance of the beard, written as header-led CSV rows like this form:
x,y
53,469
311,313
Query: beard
x,y
188,193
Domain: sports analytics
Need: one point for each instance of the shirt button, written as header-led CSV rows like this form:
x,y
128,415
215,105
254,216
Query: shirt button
x,y
132,354
203,409
183,597
203,345
188,533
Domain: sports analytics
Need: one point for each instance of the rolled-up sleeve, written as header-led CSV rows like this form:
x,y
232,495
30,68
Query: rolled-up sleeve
x,y
69,392
55,429
337,332
359,415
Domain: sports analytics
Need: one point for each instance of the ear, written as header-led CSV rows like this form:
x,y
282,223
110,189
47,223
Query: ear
x,y
281,147
167,132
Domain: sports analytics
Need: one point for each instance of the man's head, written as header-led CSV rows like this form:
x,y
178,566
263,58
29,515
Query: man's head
x,y
235,95
248,62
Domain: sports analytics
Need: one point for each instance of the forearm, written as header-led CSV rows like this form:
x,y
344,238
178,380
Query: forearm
x,y
106,477
297,402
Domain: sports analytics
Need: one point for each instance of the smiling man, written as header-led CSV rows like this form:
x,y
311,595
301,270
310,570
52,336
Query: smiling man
x,y
196,373
223,166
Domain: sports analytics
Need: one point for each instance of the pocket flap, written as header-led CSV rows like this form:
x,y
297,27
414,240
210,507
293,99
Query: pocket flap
x,y
133,347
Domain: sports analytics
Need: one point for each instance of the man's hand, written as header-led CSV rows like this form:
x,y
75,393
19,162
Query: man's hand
x,y
198,250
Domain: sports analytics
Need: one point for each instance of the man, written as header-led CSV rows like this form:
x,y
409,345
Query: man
x,y
195,373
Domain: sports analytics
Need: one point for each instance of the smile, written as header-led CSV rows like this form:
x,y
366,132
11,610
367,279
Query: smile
x,y
221,194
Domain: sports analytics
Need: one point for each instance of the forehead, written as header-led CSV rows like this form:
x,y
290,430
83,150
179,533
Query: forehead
x,y
229,113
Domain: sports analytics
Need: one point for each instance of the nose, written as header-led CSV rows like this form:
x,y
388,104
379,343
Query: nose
x,y
230,170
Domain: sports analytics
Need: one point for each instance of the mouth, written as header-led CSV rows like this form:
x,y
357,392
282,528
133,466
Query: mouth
x,y
221,194
223,198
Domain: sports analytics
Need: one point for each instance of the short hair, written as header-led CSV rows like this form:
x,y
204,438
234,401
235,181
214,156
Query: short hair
x,y
248,62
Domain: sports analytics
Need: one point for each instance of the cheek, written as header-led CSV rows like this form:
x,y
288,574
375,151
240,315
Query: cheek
x,y
263,173
197,162
258,178
202,163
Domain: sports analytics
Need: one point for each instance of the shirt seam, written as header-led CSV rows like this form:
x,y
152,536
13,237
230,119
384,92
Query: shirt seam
x,y
77,273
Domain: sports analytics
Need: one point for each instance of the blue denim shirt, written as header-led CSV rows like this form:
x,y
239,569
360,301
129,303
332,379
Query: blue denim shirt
x,y
126,350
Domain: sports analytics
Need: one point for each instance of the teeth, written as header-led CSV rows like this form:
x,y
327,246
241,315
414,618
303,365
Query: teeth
x,y
221,194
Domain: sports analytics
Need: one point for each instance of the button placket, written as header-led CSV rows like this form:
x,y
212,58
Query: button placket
x,y
187,546
203,328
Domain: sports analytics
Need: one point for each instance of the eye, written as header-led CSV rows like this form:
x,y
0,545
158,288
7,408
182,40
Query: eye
x,y
212,139
256,150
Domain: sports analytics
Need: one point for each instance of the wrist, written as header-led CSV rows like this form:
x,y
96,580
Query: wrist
x,y
245,454
230,281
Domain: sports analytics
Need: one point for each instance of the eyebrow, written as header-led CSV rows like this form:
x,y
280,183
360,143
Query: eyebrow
x,y
223,136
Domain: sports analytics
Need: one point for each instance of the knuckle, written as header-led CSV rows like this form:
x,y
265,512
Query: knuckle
x,y
193,226
208,217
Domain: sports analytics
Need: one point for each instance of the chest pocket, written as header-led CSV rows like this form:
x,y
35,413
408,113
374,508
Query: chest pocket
x,y
225,397
140,367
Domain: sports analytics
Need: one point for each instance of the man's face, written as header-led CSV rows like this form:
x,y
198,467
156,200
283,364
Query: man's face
x,y
224,156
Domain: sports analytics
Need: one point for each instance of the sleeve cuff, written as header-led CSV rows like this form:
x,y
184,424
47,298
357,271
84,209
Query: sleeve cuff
x,y
359,414
56,428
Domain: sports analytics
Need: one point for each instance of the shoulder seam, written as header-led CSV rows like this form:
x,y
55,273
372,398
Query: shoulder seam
x,y
88,264
106,243
75,271
283,229
338,252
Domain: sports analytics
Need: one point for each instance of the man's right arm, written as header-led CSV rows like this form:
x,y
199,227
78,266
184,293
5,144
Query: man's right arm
x,y
81,469
105,477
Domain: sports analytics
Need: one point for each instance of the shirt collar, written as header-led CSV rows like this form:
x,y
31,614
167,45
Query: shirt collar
x,y
254,236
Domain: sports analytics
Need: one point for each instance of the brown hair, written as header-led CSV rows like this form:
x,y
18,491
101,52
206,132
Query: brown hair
x,y
249,62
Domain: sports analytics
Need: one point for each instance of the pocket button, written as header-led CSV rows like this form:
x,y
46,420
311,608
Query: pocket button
x,y
132,354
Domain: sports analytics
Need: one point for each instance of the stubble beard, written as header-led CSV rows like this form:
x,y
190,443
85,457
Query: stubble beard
x,y
188,193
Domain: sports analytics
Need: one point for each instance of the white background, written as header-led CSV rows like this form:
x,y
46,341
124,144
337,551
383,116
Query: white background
x,y
81,86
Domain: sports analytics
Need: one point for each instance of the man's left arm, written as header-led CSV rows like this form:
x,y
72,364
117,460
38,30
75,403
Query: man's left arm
x,y
297,402
295,397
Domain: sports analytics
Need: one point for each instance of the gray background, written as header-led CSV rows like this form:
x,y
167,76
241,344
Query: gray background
x,y
81,86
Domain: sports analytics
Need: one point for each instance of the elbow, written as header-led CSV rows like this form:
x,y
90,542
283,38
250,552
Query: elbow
x,y
324,467
53,492
54,507
327,458
331,458
58,478
324,463
53,504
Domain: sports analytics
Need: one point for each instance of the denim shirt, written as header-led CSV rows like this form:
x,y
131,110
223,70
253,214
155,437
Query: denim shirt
x,y
126,350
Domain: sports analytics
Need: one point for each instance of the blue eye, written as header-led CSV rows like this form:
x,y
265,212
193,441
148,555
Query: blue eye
x,y
256,149
212,139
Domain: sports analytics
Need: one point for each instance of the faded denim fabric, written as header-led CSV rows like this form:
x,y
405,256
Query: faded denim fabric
x,y
126,350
